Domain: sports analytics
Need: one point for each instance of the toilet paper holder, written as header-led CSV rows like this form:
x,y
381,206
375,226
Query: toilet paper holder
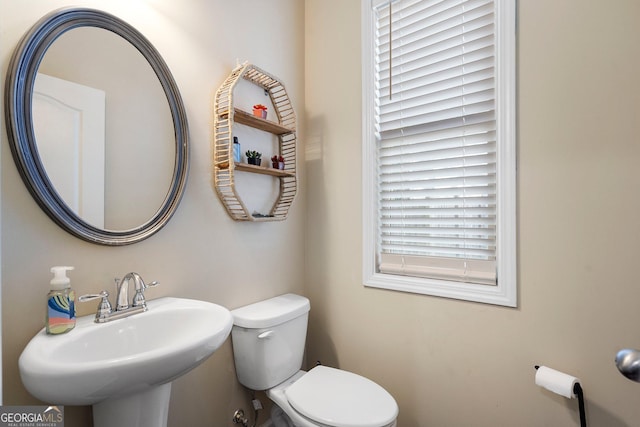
x,y
563,384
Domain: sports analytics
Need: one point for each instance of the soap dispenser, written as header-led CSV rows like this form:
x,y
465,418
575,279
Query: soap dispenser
x,y
61,311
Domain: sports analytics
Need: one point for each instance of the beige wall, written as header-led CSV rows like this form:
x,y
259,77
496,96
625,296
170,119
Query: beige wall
x,y
448,363
452,363
201,253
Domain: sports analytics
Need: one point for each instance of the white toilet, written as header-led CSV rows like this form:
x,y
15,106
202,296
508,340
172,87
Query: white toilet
x,y
268,344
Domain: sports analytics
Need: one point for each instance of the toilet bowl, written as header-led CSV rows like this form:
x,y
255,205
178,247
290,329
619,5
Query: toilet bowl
x,y
268,344
332,397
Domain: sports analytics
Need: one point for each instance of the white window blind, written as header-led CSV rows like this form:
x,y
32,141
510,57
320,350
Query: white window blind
x,y
435,126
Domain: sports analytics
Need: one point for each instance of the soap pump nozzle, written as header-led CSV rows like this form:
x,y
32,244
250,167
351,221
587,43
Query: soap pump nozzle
x,y
60,280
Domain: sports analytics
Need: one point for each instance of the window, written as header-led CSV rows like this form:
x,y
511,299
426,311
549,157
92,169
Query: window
x,y
439,152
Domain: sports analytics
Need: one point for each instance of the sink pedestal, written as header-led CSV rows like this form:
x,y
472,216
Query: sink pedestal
x,y
146,409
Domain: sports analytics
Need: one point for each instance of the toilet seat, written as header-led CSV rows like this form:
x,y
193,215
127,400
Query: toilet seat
x,y
339,398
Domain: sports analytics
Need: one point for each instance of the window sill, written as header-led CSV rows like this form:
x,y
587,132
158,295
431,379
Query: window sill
x,y
487,294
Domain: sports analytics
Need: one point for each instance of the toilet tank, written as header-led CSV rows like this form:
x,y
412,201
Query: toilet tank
x,y
268,340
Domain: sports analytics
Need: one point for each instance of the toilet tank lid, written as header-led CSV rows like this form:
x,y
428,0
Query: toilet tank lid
x,y
271,312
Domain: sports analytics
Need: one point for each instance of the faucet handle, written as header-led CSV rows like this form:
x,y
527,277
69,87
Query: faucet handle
x,y
91,297
138,298
150,285
104,308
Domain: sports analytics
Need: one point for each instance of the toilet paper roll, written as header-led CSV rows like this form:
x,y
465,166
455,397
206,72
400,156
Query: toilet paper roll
x,y
556,381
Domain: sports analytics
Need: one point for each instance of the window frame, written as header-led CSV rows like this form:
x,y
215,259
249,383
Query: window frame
x,y
505,291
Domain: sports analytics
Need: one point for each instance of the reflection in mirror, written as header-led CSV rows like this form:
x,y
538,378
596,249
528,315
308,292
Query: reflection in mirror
x,y
139,147
96,126
68,121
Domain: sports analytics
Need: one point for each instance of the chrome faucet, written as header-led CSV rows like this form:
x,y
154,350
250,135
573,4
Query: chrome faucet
x,y
122,287
123,309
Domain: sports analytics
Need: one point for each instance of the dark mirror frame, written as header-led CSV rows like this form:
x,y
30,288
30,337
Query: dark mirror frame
x,y
21,76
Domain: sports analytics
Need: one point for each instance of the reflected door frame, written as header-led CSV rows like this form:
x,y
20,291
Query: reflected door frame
x,y
69,124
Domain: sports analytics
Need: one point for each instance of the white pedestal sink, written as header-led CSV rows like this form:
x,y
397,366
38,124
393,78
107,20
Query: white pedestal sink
x,y
124,368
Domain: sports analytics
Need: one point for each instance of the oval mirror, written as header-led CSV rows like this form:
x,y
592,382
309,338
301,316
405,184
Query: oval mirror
x,y
97,127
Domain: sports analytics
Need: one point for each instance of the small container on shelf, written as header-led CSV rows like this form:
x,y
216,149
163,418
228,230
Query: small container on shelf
x,y
236,150
260,110
277,162
254,157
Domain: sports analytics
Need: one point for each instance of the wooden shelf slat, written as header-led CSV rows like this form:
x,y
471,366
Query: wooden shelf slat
x,y
245,167
257,122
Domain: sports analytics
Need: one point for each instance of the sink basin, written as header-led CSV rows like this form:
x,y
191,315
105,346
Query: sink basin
x,y
101,362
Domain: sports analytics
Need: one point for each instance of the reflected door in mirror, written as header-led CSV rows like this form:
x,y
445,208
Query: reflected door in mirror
x,y
69,124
